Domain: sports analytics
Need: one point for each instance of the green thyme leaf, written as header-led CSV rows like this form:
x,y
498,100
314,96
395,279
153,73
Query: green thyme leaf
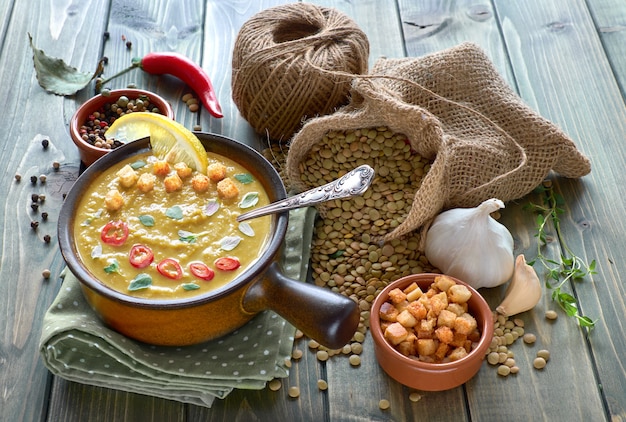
x,y
142,281
244,178
146,220
175,212
113,267
249,200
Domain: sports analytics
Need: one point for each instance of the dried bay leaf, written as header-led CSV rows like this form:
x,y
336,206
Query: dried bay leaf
x,y
57,77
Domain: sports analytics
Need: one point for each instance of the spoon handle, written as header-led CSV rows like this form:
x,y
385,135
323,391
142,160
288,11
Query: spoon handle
x,y
353,183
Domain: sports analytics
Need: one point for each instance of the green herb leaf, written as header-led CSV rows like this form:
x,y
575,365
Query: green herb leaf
x,y
190,286
246,228
211,207
249,200
244,178
146,220
138,164
113,267
175,212
55,76
142,281
96,252
230,242
189,237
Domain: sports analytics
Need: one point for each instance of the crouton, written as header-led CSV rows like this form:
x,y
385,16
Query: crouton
x,y
161,168
426,346
216,171
227,189
407,348
439,302
443,283
200,183
417,309
459,293
172,183
444,334
406,319
441,352
183,170
146,182
446,318
396,333
465,324
397,295
113,200
127,176
458,353
388,312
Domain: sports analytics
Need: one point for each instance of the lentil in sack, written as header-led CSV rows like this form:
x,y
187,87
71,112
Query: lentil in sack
x,y
456,111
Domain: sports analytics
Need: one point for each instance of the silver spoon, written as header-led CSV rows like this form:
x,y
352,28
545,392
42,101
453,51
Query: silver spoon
x,y
353,183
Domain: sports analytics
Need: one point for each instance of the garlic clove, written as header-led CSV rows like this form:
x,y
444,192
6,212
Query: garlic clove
x,y
524,291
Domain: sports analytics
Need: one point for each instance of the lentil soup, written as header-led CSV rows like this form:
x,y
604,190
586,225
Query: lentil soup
x,y
153,231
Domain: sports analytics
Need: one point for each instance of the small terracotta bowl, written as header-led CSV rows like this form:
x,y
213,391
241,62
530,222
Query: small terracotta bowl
x,y
90,153
431,376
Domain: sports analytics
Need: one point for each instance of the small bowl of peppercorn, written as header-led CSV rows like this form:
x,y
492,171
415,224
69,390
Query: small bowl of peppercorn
x,y
92,119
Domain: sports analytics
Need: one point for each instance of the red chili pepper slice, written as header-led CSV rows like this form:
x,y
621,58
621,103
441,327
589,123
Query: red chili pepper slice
x,y
140,256
202,271
114,233
227,263
170,268
188,71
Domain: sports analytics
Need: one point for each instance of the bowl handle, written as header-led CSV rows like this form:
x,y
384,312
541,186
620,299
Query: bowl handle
x,y
327,317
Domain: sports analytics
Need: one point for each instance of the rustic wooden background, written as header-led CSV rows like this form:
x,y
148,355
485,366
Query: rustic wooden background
x,y
566,58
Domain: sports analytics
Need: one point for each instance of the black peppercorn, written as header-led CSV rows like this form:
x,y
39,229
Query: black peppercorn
x,y
44,216
45,143
33,179
34,197
34,206
34,224
47,238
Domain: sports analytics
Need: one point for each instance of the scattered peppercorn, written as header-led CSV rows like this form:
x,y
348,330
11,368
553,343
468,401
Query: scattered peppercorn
x,y
64,196
47,238
18,177
129,45
106,35
44,216
56,165
42,178
45,143
105,60
34,206
33,180
46,274
34,224
42,197
34,197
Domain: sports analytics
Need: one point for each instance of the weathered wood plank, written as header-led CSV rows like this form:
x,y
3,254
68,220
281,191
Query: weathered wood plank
x,y
25,297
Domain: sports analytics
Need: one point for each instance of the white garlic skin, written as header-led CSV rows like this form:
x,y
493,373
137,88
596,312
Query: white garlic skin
x,y
467,243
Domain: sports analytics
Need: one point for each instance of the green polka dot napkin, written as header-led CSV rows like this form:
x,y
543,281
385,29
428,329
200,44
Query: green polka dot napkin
x,y
75,345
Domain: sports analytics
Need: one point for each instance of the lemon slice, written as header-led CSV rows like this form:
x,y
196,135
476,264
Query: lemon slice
x,y
170,140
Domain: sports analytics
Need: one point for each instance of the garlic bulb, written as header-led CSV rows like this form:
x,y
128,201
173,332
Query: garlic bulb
x,y
524,291
467,243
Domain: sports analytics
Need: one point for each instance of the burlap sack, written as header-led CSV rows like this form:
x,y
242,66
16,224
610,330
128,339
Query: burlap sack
x,y
455,109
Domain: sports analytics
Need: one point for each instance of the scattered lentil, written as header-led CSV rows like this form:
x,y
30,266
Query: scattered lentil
x,y
322,355
294,392
529,338
539,363
543,353
322,385
275,384
415,397
384,404
296,354
551,314
504,370
355,360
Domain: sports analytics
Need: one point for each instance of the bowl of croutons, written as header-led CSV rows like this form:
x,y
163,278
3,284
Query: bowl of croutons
x,y
92,119
430,331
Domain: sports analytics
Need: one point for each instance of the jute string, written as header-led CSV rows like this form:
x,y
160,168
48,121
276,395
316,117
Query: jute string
x,y
294,62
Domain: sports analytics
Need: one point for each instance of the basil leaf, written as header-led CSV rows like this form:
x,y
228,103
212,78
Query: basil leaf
x,y
138,164
142,281
250,199
244,178
146,220
175,212
190,286
185,236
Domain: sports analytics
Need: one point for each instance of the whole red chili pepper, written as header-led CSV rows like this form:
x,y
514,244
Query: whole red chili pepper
x,y
185,69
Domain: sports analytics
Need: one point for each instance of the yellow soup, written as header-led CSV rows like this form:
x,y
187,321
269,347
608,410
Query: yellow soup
x,y
153,230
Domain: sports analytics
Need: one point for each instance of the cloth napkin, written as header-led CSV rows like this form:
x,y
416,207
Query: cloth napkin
x,y
75,344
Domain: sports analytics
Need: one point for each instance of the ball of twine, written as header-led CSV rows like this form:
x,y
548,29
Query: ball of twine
x,y
292,62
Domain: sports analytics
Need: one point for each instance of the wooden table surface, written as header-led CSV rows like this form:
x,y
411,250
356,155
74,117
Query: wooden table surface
x,y
566,59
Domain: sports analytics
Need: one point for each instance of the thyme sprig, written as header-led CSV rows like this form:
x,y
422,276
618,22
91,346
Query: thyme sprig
x,y
569,266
